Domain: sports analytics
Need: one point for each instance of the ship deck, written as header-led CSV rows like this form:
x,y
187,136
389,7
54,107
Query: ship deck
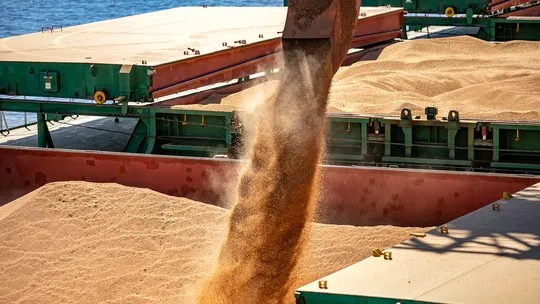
x,y
155,38
488,256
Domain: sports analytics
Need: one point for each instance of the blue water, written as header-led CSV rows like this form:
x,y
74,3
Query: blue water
x,y
27,16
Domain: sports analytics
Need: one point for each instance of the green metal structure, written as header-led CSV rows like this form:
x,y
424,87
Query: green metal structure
x,y
352,139
464,13
328,298
411,140
490,29
45,79
159,130
433,6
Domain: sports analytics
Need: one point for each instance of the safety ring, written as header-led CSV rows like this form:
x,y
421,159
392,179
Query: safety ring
x,y
100,97
449,12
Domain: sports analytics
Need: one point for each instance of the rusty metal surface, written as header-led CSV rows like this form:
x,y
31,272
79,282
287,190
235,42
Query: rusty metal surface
x,y
361,41
378,20
351,195
310,19
488,256
373,26
370,53
498,5
160,39
206,74
531,11
197,97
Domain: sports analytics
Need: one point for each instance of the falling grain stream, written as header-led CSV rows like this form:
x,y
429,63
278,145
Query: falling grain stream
x,y
276,191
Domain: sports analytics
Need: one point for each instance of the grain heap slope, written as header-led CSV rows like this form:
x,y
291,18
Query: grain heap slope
x,y
104,242
477,78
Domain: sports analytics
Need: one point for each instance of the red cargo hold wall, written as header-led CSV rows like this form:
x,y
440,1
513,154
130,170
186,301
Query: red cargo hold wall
x,y
350,195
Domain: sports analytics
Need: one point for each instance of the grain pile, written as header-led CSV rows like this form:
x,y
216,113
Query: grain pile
x,y
278,188
79,242
478,79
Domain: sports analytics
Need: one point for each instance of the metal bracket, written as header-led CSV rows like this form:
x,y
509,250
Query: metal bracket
x,y
323,284
406,114
507,195
51,28
377,127
431,113
124,79
444,229
406,126
453,115
453,128
377,252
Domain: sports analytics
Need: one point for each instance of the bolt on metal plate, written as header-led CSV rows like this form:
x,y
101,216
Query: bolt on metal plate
x,y
444,229
377,252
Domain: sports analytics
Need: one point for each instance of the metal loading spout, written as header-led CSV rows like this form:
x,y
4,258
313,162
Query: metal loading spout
x,y
323,19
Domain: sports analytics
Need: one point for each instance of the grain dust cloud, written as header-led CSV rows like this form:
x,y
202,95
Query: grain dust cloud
x,y
276,191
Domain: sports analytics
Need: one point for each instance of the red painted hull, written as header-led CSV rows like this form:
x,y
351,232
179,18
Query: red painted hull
x,y
350,195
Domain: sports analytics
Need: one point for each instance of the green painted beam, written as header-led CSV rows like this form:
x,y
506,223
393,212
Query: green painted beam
x,y
444,21
515,166
427,161
349,137
433,6
530,126
74,80
177,147
65,108
306,297
351,157
42,131
491,29
496,144
137,141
